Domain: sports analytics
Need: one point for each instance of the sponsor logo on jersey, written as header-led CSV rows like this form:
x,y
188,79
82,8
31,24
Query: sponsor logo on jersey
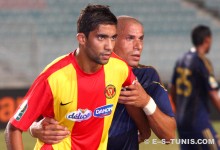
x,y
213,83
79,115
103,111
22,109
110,91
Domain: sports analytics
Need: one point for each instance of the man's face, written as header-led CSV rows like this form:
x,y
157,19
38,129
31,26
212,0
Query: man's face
x,y
129,43
100,43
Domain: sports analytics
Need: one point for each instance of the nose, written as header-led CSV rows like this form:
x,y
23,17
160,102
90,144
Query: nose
x,y
109,45
138,45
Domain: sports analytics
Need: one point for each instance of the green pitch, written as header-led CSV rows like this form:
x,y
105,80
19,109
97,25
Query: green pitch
x,y
29,141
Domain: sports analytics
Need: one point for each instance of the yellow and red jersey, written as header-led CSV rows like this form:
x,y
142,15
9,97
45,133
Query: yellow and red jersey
x,y
84,103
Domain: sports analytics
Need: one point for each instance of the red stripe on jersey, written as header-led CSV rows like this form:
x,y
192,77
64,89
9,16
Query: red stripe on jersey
x,y
89,98
46,147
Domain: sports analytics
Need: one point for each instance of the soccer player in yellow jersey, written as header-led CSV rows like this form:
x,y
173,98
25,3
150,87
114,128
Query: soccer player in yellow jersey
x,y
80,90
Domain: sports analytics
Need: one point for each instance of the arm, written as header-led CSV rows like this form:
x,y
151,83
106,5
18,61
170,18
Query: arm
x,y
49,131
162,125
141,122
173,93
13,138
215,98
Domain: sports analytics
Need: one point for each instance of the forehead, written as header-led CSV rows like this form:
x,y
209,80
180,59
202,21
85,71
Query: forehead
x,y
134,29
106,29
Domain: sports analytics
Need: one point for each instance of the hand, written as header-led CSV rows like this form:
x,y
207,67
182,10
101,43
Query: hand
x,y
134,95
144,133
49,131
142,138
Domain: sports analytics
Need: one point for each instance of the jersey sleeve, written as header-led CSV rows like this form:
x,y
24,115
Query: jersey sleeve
x,y
160,96
150,80
37,102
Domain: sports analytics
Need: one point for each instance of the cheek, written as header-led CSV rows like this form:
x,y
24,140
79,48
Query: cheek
x,y
95,45
127,48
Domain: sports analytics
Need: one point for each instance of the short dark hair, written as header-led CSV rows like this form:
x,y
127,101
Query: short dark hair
x,y
94,15
199,34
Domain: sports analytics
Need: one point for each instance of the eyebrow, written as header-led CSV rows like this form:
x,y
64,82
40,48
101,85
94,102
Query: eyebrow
x,y
142,36
115,35
106,36
130,35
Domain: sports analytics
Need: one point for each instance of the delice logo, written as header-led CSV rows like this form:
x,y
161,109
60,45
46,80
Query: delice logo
x,y
79,115
103,111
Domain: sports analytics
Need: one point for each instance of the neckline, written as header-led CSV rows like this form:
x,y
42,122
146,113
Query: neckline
x,y
79,70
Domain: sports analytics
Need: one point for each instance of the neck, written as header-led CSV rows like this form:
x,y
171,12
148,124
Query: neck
x,y
201,50
85,64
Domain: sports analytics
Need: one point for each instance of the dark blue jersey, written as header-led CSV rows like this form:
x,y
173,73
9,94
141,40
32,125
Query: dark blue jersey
x,y
149,79
194,78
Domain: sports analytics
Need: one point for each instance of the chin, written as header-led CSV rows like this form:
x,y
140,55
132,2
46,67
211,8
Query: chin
x,y
104,62
133,64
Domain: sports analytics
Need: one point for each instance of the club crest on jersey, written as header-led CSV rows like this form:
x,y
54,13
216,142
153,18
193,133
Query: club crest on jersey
x,y
110,91
79,115
22,109
103,111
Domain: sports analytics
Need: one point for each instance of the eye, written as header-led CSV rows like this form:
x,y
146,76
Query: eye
x,y
129,38
114,38
100,37
141,38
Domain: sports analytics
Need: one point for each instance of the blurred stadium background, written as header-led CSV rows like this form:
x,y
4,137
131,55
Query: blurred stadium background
x,y
34,32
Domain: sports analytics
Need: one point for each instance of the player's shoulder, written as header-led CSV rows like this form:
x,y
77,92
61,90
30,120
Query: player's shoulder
x,y
190,55
58,63
116,60
201,61
147,72
146,69
116,57
206,63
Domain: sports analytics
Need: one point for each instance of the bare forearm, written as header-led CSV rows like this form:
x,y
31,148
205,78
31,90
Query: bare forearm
x,y
140,120
215,98
13,138
162,125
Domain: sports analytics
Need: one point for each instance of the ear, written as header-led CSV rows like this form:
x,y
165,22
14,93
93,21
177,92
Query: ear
x,y
81,38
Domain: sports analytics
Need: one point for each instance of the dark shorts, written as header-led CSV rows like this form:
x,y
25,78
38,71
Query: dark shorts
x,y
205,140
125,141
